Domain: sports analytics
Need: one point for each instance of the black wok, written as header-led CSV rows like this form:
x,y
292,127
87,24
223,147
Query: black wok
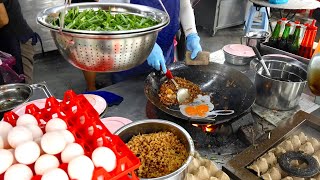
x,y
228,88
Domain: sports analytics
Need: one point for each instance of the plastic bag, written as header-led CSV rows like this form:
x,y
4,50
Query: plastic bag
x,y
6,63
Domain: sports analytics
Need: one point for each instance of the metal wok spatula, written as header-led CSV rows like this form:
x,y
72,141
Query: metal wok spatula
x,y
183,93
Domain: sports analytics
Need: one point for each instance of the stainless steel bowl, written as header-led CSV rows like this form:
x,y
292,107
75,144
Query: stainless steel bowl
x,y
237,60
12,95
152,126
283,90
105,51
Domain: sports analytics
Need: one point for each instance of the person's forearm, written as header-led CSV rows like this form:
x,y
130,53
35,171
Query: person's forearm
x,y
4,19
187,17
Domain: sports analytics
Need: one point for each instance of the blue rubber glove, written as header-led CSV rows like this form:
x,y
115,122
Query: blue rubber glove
x,y
193,44
156,59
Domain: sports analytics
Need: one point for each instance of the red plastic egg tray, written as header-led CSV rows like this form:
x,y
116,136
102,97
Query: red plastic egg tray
x,y
84,122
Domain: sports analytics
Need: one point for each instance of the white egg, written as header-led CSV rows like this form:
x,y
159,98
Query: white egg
x,y
53,142
18,171
68,136
5,128
71,151
27,153
55,174
38,141
35,130
104,157
56,124
6,160
1,143
14,159
26,119
81,162
46,162
19,135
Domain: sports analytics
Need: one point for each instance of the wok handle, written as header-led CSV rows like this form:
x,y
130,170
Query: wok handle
x,y
43,86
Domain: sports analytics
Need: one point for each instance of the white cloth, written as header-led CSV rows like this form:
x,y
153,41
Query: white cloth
x,y
187,17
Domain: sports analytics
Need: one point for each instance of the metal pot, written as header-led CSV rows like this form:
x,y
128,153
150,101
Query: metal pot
x,y
13,95
237,60
152,126
283,90
255,38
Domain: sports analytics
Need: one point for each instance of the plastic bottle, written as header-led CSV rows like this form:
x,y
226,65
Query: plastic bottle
x,y
273,40
306,46
293,28
294,41
283,43
284,21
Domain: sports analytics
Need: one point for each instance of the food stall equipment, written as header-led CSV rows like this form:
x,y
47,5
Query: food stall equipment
x,y
219,14
228,88
105,51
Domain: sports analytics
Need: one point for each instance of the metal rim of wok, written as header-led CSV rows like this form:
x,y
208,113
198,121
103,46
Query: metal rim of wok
x,y
213,80
140,10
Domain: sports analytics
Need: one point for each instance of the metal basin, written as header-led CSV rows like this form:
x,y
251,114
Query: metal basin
x,y
106,51
152,126
283,90
12,95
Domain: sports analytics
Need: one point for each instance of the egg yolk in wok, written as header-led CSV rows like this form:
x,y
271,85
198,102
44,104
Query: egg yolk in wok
x,y
198,110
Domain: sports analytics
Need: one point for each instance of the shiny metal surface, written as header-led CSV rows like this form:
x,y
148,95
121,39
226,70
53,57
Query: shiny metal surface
x,y
103,51
254,39
237,60
229,89
12,95
284,89
152,126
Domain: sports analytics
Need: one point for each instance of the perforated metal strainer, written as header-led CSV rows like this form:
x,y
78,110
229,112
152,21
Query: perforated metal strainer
x,y
103,51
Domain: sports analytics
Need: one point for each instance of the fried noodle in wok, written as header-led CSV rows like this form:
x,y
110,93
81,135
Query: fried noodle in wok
x,y
168,91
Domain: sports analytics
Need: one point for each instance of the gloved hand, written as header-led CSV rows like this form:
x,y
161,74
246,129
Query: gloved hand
x,y
156,59
193,44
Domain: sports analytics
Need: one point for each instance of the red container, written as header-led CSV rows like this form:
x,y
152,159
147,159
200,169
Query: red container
x,y
84,122
306,46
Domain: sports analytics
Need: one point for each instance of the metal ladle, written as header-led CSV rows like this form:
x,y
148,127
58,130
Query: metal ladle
x,y
183,93
261,61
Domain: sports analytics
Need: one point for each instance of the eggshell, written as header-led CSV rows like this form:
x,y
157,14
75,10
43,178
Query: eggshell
x,y
81,162
14,159
45,163
26,119
1,143
56,124
71,151
38,141
19,135
104,157
35,130
27,153
6,160
68,136
53,142
18,171
55,174
5,128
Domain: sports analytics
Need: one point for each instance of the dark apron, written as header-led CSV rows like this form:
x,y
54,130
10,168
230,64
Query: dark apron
x,y
164,39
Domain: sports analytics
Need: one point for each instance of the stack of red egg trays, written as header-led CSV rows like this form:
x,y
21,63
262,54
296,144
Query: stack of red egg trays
x,y
84,123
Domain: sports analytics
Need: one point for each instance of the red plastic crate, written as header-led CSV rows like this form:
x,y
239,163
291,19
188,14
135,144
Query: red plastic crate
x,y
84,123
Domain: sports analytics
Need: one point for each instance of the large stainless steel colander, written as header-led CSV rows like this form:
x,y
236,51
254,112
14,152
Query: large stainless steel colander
x,y
105,51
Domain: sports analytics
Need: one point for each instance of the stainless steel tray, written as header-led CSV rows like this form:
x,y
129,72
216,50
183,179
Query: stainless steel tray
x,y
265,49
300,122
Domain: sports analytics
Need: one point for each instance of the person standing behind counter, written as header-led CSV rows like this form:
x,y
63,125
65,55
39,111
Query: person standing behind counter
x,y
162,53
17,38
